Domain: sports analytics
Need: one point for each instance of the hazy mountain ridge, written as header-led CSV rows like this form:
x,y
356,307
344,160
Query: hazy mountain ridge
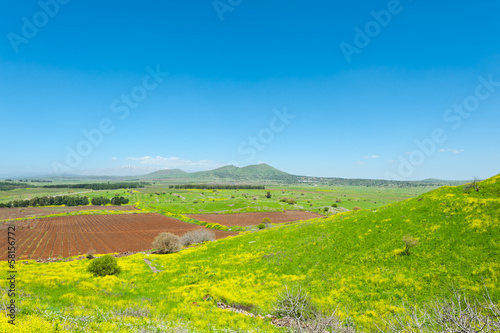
x,y
257,173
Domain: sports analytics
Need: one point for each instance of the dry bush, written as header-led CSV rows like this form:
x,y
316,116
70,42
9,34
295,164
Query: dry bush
x,y
458,313
298,313
294,303
166,242
356,208
290,201
197,236
90,253
267,222
409,243
474,184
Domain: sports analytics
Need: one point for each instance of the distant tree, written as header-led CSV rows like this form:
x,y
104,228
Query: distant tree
x,y
474,184
119,201
96,201
268,194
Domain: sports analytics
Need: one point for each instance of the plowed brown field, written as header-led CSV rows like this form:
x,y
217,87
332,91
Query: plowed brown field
x,y
74,235
11,213
246,219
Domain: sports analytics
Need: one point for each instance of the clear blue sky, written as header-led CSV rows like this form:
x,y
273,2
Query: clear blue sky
x,y
231,69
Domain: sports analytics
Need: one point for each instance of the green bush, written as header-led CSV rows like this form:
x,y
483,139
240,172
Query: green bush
x,y
106,265
262,226
335,205
216,226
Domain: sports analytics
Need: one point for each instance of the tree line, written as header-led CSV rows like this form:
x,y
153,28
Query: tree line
x,y
7,186
377,182
100,186
64,200
217,187
116,201
48,201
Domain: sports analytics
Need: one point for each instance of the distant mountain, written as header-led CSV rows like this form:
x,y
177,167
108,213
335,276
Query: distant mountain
x,y
229,173
263,173
168,173
259,172
251,174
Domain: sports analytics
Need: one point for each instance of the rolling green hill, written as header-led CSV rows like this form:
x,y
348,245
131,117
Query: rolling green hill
x,y
162,174
259,172
353,261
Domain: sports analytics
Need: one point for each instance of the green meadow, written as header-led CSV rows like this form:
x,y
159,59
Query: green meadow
x,y
314,199
353,262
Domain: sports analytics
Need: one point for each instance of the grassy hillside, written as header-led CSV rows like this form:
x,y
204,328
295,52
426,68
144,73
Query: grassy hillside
x,y
351,261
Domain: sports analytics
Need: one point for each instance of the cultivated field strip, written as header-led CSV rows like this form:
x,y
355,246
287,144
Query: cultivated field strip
x,y
247,219
67,236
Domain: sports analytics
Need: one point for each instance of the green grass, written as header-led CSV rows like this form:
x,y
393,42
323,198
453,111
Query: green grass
x,y
230,201
351,261
307,198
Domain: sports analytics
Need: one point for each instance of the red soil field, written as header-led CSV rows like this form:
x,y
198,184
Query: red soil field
x,y
12,213
67,236
246,219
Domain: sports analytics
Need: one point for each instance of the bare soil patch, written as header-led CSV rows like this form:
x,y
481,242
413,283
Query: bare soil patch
x,y
67,236
12,213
